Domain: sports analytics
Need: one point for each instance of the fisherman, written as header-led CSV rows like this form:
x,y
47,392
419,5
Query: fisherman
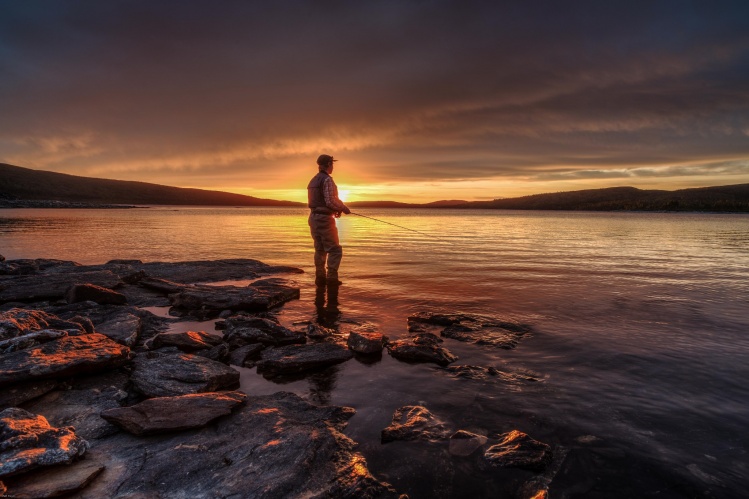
x,y
325,207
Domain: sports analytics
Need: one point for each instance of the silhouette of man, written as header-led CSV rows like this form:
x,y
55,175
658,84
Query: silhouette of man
x,y
325,207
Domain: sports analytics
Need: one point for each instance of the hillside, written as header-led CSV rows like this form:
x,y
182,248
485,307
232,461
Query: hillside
x,y
18,183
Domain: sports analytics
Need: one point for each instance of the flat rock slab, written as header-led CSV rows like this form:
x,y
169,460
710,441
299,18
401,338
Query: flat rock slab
x,y
366,343
20,322
188,341
91,292
245,329
516,449
18,393
66,356
27,441
464,443
207,271
492,374
51,286
163,414
414,422
244,355
299,358
273,446
421,348
168,375
55,481
471,328
123,327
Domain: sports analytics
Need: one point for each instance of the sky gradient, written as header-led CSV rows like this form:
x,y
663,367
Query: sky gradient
x,y
419,101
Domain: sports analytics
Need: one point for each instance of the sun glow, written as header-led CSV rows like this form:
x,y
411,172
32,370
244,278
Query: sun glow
x,y
343,195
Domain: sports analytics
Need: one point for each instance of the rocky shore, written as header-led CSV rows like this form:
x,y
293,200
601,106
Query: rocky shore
x,y
98,398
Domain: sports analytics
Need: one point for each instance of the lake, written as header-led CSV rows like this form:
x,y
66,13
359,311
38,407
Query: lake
x,y
640,342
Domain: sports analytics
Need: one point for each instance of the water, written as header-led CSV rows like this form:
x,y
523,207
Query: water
x,y
641,332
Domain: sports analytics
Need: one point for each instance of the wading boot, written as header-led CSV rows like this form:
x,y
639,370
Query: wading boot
x,y
320,281
333,281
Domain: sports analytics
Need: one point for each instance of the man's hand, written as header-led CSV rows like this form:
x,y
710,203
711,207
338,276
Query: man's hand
x,y
346,210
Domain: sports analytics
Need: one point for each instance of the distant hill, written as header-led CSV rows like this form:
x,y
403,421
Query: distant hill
x,y
18,183
729,198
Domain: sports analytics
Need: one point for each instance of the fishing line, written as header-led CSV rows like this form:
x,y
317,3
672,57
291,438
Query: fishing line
x,y
394,225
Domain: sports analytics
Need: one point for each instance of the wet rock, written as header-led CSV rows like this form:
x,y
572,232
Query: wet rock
x,y
516,449
19,322
483,335
79,406
464,443
211,270
29,340
219,353
414,422
245,329
472,328
65,356
188,341
244,355
122,327
92,292
55,481
27,441
167,375
164,414
161,285
316,331
273,446
299,358
436,318
208,301
51,286
366,343
421,348
18,393
491,373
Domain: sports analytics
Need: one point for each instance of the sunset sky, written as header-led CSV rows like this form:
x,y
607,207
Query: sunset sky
x,y
419,100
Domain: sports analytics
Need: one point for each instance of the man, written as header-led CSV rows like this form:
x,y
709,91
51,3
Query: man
x,y
325,207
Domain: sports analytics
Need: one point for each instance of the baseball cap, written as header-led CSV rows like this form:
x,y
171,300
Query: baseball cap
x,y
324,159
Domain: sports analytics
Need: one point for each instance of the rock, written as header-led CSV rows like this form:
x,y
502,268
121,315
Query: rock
x,y
19,322
51,286
55,481
208,301
245,329
92,292
163,414
366,343
80,405
414,422
167,375
316,331
242,355
27,441
421,348
479,329
124,328
483,335
18,393
492,373
273,446
435,318
65,356
219,353
211,270
299,358
2,258
464,443
516,449
187,341
29,340
161,285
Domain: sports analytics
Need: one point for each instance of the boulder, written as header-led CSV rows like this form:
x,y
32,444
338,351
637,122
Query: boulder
x,y
31,339
188,341
516,449
20,322
464,443
245,329
366,343
299,358
161,285
273,446
122,327
27,441
316,331
472,328
52,286
219,353
414,422
243,355
205,302
65,356
55,481
167,375
421,348
19,393
91,292
164,414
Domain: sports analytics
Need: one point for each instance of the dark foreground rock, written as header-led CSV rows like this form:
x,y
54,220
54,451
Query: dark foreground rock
x,y
471,328
168,375
414,422
48,286
164,414
188,341
516,449
18,393
121,326
299,358
492,373
27,441
366,343
55,481
274,446
91,292
18,322
245,329
421,348
66,356
464,443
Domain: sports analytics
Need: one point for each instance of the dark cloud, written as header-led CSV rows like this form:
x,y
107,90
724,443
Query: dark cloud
x,y
420,90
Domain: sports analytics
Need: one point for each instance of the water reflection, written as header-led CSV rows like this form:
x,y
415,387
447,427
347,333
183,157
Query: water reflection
x,y
327,310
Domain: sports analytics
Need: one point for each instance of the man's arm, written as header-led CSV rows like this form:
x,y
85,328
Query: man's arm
x,y
330,191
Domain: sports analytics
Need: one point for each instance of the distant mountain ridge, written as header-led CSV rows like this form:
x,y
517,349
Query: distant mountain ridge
x,y
19,185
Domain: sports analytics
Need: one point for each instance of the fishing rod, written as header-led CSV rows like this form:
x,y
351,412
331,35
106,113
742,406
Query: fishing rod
x,y
394,225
